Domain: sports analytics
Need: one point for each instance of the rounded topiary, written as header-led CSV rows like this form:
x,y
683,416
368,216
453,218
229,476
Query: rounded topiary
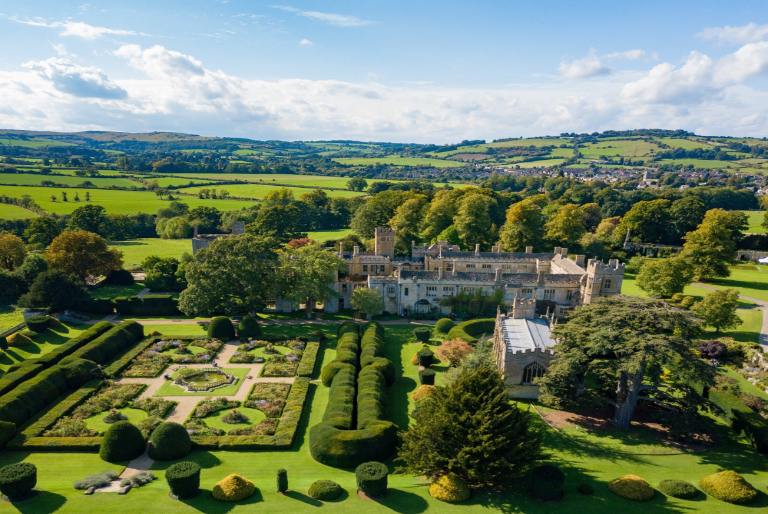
x,y
678,489
282,480
169,441
183,478
444,325
631,487
122,441
586,489
120,277
372,478
16,480
234,488
426,357
728,486
547,483
19,339
449,488
427,377
422,392
422,334
325,490
38,323
249,327
221,328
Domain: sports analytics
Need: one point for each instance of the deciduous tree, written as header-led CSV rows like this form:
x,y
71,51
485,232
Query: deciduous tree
x,y
710,248
453,351
566,227
523,227
307,274
665,277
367,301
357,184
55,290
42,231
718,309
473,220
12,251
90,218
82,254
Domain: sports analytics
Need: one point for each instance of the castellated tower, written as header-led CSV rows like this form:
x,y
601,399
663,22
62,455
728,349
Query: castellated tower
x,y
602,280
385,242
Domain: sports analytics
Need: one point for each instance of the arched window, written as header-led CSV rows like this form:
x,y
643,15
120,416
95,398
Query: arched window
x,y
533,370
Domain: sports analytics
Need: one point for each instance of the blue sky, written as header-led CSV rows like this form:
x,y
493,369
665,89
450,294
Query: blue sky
x,y
418,71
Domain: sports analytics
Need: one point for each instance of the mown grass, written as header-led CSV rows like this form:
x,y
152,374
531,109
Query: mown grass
x,y
44,343
169,389
10,316
26,179
399,161
136,250
12,212
755,222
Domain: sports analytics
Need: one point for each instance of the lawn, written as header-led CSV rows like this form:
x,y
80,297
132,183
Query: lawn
x,y
44,343
10,316
321,236
751,282
683,143
96,422
12,212
110,292
169,389
755,222
214,420
399,161
136,250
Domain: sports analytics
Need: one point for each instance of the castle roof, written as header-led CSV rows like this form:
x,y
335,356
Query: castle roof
x,y
471,276
527,334
448,254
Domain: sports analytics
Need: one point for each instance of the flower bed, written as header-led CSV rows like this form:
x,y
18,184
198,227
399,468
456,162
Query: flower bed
x,y
206,407
268,398
159,353
205,420
258,351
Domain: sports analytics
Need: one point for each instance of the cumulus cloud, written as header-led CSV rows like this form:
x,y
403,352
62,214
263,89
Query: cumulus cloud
x,y
588,66
306,42
628,55
75,80
338,20
77,29
749,33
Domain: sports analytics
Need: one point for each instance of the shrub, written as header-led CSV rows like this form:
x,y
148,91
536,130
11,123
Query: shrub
x,y
319,334
678,489
169,441
713,350
449,488
586,489
234,488
444,325
122,441
30,334
19,339
547,483
38,323
325,490
424,391
729,486
16,480
183,478
422,334
7,432
631,487
282,480
221,328
371,478
249,327
102,479
3,343
427,377
119,277
687,302
139,479
471,331
755,403
425,357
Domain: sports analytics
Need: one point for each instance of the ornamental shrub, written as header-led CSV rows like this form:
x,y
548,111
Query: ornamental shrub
x,y
444,325
183,478
422,392
325,490
755,403
371,478
234,488
547,483
729,486
169,441
120,277
427,377
19,339
102,479
122,441
16,480
422,334
221,328
30,334
631,487
249,327
425,357
449,488
415,359
586,489
282,480
713,350
7,432
38,323
678,489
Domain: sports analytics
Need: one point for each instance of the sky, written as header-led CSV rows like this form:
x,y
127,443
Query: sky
x,y
403,71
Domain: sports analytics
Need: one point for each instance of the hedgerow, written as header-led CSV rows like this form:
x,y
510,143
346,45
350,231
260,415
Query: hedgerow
x,y
471,331
308,358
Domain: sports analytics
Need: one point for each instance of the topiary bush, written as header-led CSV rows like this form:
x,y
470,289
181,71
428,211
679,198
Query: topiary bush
x,y
248,328
678,489
427,376
16,480
325,490
234,488
423,392
39,323
422,334
426,357
120,277
3,343
169,441
122,441
547,483
371,478
19,339
7,432
586,489
282,480
631,487
729,486
444,325
183,478
221,328
450,489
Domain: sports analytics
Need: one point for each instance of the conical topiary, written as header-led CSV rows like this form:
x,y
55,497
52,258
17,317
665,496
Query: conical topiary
x,y
234,488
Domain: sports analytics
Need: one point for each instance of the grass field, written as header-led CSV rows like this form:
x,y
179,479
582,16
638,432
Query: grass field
x,y
755,222
111,292
537,142
620,148
258,191
12,212
703,163
137,250
115,202
322,236
32,143
26,179
752,283
687,144
10,316
539,164
399,161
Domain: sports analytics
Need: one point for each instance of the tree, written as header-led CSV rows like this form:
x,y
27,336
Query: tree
x,y
624,343
450,234
648,222
710,248
664,277
163,274
523,227
307,275
367,301
233,275
718,309
90,218
591,216
281,222
471,428
357,184
408,218
686,214
42,231
120,227
566,227
174,228
473,220
440,213
32,266
82,254
12,251
453,351
55,290
607,231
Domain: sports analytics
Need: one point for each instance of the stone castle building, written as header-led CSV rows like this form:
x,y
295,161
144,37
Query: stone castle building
x,y
200,241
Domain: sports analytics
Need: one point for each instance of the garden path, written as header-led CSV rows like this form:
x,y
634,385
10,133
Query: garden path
x,y
762,305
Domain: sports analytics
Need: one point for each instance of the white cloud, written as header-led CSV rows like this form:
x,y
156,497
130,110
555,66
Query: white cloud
x,y
77,29
588,66
628,55
749,33
338,20
305,42
75,80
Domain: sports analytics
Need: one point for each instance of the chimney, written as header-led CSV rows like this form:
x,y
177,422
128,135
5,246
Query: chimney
x,y
454,266
564,252
557,250
477,249
499,271
529,249
355,251
195,230
440,273
580,260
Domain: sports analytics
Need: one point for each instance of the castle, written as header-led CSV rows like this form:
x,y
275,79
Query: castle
x,y
200,241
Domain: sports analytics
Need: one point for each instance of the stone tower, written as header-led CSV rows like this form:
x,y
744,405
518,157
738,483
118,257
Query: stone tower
x,y
385,242
601,279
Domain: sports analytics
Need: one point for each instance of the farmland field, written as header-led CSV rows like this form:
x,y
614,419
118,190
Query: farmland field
x,y
683,143
702,163
26,179
625,148
538,142
322,236
34,143
260,191
540,163
399,161
755,221
137,250
12,212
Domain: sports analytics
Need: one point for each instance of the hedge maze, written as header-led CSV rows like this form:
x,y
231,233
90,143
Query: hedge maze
x,y
355,428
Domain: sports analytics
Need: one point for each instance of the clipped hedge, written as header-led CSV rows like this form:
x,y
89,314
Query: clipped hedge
x,y
19,340
221,328
471,331
371,478
450,489
16,480
282,480
729,486
742,419
308,359
325,490
11,380
248,328
7,432
110,344
444,325
122,441
184,479
169,441
422,334
425,357
39,323
149,305
234,488
678,489
631,487
427,377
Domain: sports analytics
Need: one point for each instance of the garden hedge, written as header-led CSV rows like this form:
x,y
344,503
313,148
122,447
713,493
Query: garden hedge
x,y
547,483
183,478
248,328
169,441
427,377
108,345
221,328
422,334
742,419
39,323
149,305
729,486
325,490
122,441
7,432
450,489
371,478
103,306
11,380
471,331
425,357
308,359
16,480
340,440
444,325
678,489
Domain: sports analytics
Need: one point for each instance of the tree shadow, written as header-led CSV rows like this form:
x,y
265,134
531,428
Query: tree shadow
x,y
202,458
343,496
403,502
295,495
204,502
44,502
